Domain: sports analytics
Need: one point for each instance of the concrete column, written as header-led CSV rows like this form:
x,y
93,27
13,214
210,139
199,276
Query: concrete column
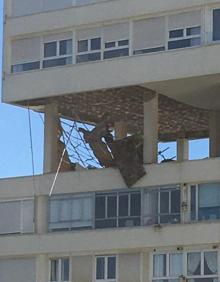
x,y
120,129
214,134
41,214
182,149
150,149
42,268
50,138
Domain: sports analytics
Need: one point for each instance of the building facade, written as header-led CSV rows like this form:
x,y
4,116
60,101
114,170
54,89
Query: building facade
x,y
154,68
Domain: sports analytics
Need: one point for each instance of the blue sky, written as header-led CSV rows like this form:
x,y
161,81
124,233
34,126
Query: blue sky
x,y
15,149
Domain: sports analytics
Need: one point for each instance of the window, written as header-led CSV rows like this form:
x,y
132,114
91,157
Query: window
x,y
216,24
161,206
184,37
205,201
119,209
198,266
70,212
57,53
25,67
17,216
59,270
106,269
167,267
89,50
202,266
115,49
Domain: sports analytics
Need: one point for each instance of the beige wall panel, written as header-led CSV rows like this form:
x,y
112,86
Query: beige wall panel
x,y
57,36
88,33
145,267
129,268
50,5
25,50
82,269
184,20
116,32
26,7
149,33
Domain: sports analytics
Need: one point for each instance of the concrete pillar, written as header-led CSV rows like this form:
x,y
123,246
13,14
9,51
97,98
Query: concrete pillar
x,y
50,138
42,268
150,149
120,129
41,214
214,134
182,149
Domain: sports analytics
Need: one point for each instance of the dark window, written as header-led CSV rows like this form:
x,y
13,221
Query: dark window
x,y
123,205
100,268
25,67
193,30
175,201
150,50
100,207
65,270
66,47
164,202
88,57
123,42
109,45
193,203
54,270
116,53
111,268
176,44
82,46
95,44
176,33
112,206
216,24
57,62
135,209
50,49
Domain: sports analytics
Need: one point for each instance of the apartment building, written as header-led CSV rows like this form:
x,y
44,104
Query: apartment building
x,y
154,68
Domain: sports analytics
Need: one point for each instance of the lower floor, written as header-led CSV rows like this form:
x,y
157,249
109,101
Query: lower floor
x,y
199,263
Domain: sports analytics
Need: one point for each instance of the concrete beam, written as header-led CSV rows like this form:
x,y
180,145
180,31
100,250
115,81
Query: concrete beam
x,y
214,134
182,149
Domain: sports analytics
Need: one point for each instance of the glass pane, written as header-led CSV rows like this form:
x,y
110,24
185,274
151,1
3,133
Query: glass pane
x,y
116,53
65,210
25,67
123,205
50,49
83,46
150,207
203,280
57,62
135,204
66,47
87,208
106,223
76,209
95,44
216,24
159,268
176,265
129,222
100,207
164,202
109,44
100,268
176,33
54,210
54,270
65,270
112,206
193,203
175,201
193,30
111,268
210,263
176,44
174,218
88,58
194,264
123,42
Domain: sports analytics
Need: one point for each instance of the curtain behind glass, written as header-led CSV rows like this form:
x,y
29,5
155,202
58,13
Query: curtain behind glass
x,y
150,207
194,264
209,195
159,265
210,263
176,265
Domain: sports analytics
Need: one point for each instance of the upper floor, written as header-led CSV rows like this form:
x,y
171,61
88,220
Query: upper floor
x,y
45,57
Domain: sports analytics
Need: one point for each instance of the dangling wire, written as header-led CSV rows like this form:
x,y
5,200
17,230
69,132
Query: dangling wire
x,y
32,151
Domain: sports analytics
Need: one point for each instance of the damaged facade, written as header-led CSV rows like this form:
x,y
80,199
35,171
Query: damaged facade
x,y
125,77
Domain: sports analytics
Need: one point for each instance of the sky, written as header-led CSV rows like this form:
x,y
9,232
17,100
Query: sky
x,y
15,145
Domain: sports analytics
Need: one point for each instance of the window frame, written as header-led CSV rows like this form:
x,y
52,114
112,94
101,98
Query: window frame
x,y
212,24
118,217
184,265
60,259
116,47
57,56
89,50
71,197
106,279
